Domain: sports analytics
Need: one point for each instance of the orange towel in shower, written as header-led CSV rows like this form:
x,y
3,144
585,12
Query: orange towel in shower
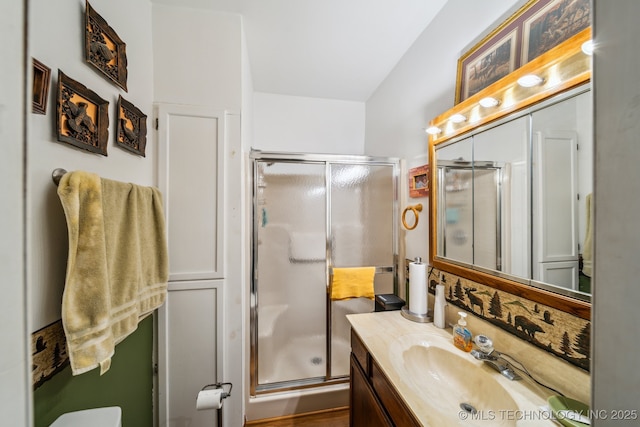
x,y
350,283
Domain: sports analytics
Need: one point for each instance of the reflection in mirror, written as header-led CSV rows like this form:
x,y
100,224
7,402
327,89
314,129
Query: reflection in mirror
x,y
514,197
501,207
562,185
455,215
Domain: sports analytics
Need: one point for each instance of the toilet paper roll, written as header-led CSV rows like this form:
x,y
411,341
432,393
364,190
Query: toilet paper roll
x,y
209,399
418,288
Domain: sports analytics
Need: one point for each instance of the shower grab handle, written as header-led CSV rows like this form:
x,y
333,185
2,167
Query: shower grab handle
x,y
415,209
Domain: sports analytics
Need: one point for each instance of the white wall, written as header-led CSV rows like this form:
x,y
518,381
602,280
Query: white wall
x,y
246,136
422,86
15,387
200,59
616,378
56,37
307,125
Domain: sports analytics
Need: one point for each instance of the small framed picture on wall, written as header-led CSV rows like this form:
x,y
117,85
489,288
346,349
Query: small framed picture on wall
x,y
419,181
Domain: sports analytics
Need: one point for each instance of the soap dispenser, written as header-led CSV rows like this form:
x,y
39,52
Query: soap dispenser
x,y
462,335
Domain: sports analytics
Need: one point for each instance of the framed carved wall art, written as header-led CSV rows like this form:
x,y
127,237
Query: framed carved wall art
x,y
104,49
82,118
131,127
41,79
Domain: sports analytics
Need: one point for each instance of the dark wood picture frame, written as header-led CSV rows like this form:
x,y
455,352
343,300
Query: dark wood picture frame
x,y
82,118
419,181
104,49
131,127
41,82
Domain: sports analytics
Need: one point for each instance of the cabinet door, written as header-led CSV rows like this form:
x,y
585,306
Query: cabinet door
x,y
190,174
189,351
365,409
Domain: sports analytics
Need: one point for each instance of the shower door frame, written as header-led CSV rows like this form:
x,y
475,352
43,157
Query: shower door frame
x,y
318,159
498,168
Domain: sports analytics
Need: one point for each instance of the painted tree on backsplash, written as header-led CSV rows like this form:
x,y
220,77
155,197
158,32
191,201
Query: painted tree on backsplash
x,y
526,320
459,293
495,307
565,345
57,358
582,343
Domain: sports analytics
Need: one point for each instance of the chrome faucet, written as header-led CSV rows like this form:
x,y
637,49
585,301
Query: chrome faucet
x,y
497,361
494,358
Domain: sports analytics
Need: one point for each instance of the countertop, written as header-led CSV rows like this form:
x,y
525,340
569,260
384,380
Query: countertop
x,y
382,333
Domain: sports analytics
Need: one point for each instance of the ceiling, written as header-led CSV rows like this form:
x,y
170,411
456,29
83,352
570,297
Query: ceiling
x,y
338,49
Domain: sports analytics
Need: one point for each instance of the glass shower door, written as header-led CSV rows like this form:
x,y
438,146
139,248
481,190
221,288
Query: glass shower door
x,y
313,213
291,273
362,222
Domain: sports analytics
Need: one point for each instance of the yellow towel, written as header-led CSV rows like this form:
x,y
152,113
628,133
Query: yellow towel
x,y
117,267
350,283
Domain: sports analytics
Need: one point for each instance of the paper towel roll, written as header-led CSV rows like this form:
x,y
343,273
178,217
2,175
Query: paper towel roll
x,y
209,399
418,288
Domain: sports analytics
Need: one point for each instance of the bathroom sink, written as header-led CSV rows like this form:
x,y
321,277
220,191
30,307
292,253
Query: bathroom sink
x,y
453,385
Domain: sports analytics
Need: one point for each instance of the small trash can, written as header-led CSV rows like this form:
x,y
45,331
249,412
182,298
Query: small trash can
x,y
388,302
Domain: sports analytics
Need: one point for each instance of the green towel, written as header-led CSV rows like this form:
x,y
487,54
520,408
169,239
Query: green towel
x,y
117,268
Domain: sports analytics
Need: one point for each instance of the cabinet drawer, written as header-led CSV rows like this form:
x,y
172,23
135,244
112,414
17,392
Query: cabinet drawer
x,y
360,352
397,410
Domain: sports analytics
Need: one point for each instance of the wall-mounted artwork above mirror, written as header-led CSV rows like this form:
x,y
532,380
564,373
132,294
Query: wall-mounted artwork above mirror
x,y
512,183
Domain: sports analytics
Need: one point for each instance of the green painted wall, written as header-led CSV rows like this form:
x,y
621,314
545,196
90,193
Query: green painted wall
x,y
128,384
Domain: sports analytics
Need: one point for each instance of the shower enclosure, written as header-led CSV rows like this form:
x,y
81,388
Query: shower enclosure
x,y
313,213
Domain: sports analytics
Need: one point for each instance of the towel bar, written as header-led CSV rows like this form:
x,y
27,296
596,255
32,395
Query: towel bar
x,y
378,270
57,174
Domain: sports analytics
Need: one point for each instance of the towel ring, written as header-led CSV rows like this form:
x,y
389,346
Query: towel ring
x,y
415,209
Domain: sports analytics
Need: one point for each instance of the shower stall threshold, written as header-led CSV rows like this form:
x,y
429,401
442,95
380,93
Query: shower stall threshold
x,y
282,403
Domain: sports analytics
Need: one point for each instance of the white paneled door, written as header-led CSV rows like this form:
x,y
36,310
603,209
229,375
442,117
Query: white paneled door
x,y
190,323
190,174
555,170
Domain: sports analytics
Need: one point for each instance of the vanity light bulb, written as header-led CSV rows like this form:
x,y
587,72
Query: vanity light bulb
x,y
587,47
457,118
433,130
530,80
489,102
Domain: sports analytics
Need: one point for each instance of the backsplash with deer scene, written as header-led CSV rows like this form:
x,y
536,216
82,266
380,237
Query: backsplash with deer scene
x,y
559,333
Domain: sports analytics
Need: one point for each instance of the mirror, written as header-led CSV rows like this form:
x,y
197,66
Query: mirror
x,y
511,184
513,197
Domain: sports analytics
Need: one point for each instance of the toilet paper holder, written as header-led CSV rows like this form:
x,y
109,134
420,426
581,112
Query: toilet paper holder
x,y
225,393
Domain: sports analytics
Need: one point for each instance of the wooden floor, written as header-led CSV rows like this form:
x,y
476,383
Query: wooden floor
x,y
330,418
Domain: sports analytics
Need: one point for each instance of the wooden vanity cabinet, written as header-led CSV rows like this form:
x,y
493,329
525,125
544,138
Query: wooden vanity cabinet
x,y
373,399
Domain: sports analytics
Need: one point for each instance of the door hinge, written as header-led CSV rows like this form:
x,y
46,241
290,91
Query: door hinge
x,y
155,369
157,123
